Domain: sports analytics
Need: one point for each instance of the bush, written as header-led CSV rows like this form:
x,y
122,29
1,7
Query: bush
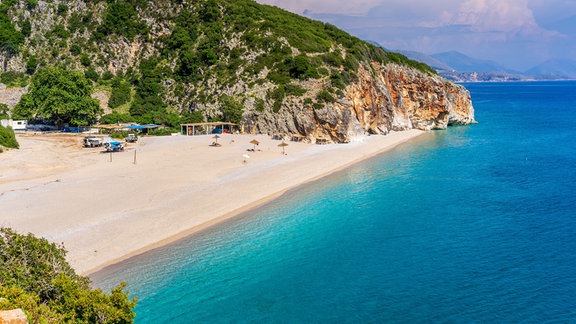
x,y
293,89
32,4
277,95
35,276
62,9
14,79
7,138
115,118
91,74
85,60
325,96
31,65
4,110
75,49
121,94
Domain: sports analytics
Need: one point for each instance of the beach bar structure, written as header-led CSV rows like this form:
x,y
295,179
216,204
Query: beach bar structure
x,y
207,128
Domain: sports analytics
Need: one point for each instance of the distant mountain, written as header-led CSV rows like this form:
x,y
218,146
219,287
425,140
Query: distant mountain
x,y
459,67
555,68
464,63
425,58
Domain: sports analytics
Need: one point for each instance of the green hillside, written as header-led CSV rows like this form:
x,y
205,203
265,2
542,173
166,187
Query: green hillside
x,y
180,61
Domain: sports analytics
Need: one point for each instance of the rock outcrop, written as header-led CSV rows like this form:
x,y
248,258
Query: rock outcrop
x,y
15,316
382,99
10,96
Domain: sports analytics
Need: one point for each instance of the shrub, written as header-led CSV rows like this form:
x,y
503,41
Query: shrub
x,y
277,95
35,276
85,60
7,137
92,74
32,4
62,9
14,79
75,49
293,89
121,94
325,96
116,117
4,110
31,65
26,28
259,105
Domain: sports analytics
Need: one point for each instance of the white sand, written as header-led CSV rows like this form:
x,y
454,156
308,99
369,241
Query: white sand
x,y
105,211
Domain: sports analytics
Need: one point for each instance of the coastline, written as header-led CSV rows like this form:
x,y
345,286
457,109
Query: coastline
x,y
106,212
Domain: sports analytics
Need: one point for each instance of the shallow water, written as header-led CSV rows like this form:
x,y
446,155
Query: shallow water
x,y
472,224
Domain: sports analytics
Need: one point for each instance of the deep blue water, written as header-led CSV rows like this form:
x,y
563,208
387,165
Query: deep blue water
x,y
472,224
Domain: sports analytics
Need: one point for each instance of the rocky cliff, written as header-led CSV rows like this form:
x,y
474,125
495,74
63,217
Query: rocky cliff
x,y
171,62
384,98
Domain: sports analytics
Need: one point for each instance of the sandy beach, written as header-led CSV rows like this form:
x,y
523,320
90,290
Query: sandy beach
x,y
106,208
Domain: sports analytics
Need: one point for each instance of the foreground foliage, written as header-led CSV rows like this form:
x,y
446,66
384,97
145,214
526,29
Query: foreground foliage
x,y
7,138
35,277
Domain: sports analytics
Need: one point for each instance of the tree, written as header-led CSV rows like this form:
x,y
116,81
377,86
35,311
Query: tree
x,y
232,110
61,96
148,102
35,276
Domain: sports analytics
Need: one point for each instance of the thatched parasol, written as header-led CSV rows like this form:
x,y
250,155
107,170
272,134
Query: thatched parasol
x,y
255,142
283,145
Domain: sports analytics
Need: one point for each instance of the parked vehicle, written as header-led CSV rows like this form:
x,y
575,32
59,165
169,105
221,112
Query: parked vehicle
x,y
92,141
114,146
131,138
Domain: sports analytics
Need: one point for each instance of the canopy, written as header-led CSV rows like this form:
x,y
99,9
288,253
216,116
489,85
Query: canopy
x,y
137,127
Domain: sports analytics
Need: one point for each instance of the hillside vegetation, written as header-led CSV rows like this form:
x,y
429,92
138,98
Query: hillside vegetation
x,y
169,62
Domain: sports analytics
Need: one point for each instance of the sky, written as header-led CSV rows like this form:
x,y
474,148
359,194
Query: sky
x,y
518,34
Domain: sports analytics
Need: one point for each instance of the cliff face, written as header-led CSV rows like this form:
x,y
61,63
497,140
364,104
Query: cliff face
x,y
382,99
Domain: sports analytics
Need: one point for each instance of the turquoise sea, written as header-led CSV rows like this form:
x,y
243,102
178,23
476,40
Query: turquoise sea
x,y
471,224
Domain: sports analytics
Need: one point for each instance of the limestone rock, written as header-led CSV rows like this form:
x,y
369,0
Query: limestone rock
x,y
11,96
15,316
382,99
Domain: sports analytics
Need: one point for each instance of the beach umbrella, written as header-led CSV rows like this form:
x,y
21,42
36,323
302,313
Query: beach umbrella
x,y
255,142
216,137
283,145
246,157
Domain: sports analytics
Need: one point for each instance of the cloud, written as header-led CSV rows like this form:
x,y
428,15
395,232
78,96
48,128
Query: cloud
x,y
355,7
515,32
491,15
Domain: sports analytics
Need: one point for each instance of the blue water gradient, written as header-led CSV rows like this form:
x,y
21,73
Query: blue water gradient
x,y
471,224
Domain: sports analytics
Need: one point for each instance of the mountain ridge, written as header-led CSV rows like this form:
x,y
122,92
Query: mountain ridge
x,y
459,67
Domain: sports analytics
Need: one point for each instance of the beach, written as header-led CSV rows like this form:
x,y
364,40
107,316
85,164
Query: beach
x,y
106,207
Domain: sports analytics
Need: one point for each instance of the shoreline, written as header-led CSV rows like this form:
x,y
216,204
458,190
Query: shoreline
x,y
187,188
